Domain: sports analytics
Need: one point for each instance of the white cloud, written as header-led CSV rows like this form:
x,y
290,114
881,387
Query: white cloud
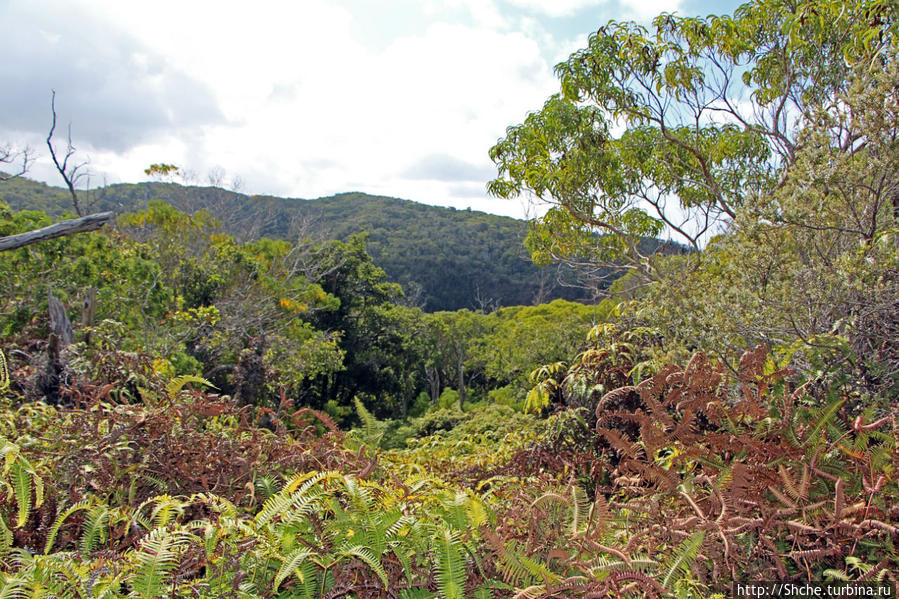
x,y
630,9
299,106
556,8
645,10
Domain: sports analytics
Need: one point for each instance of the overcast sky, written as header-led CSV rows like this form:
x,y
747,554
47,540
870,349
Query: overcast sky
x,y
301,98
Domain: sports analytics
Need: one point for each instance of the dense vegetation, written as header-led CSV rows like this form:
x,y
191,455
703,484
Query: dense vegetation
x,y
445,259
186,413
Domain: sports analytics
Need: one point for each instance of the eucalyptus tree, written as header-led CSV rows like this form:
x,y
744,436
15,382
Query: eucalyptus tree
x,y
670,130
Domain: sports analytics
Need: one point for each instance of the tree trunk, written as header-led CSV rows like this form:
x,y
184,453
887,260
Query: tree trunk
x,y
461,381
433,377
91,222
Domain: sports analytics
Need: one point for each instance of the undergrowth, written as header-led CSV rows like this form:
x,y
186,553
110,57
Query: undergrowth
x,y
674,486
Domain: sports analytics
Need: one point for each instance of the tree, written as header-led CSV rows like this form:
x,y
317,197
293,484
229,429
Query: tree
x,y
162,171
710,112
522,338
71,172
10,155
811,269
454,336
91,222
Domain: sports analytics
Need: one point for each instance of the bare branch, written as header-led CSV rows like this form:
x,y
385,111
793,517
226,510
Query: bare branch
x,y
91,222
9,155
68,172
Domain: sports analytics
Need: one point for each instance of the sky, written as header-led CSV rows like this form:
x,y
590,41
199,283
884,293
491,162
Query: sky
x,y
302,98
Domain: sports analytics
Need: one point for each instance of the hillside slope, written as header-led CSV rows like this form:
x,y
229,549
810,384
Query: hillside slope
x,y
446,259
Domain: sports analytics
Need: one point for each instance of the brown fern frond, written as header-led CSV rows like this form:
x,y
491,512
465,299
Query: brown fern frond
x,y
871,523
782,498
789,484
802,527
618,443
816,554
752,364
881,566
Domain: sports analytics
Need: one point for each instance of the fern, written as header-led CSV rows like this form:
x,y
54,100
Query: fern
x,y
682,559
174,386
416,593
60,520
13,587
822,419
158,556
309,587
580,509
292,494
56,576
365,554
20,480
4,373
6,537
450,566
166,510
518,569
292,562
372,428
94,528
266,486
22,488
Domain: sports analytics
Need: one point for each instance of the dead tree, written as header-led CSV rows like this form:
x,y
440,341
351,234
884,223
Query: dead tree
x,y
69,172
91,222
10,155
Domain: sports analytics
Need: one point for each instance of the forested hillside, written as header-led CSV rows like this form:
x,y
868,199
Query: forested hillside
x,y
445,259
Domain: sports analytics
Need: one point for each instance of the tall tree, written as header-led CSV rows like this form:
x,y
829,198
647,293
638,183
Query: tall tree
x,y
671,130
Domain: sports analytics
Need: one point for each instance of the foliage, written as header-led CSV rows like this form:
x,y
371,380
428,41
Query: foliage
x,y
711,110
4,373
816,260
446,259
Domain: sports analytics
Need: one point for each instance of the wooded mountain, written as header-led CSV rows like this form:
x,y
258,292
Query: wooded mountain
x,y
445,259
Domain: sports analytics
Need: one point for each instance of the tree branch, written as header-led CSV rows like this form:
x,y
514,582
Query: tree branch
x,y
91,222
69,173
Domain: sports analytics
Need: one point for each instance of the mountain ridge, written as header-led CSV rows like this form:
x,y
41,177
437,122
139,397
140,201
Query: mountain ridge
x,y
445,258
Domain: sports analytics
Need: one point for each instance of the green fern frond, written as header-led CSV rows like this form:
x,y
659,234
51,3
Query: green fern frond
x,y
94,529
831,574
292,562
293,494
417,593
372,428
266,486
365,554
21,480
483,592
450,565
6,537
682,559
167,509
161,485
4,373
56,576
174,386
822,419
60,520
158,555
14,587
